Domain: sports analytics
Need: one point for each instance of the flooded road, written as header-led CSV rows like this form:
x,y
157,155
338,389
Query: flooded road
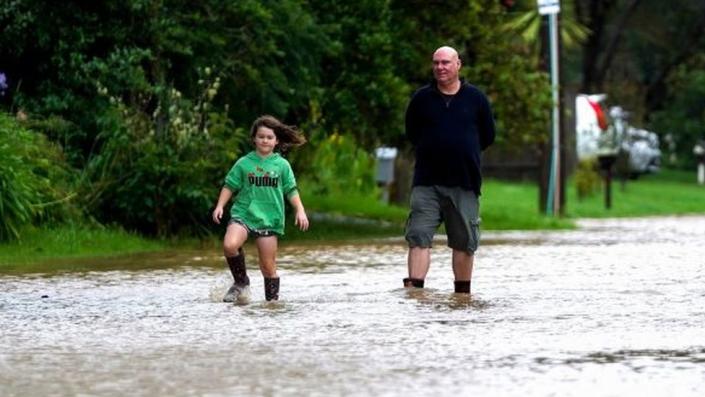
x,y
613,309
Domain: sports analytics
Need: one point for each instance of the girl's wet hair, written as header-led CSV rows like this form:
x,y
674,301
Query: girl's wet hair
x,y
287,135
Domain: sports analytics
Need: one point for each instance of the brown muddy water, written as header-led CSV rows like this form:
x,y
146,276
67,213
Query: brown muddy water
x,y
616,308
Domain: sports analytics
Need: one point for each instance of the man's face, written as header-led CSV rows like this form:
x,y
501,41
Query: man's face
x,y
445,66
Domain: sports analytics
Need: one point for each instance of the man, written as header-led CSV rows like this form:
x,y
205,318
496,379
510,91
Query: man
x,y
450,123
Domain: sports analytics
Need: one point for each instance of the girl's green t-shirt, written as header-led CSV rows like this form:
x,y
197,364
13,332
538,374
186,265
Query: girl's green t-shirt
x,y
259,185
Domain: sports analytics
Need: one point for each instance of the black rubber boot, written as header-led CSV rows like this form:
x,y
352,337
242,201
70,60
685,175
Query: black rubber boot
x,y
240,290
238,268
413,282
271,288
462,287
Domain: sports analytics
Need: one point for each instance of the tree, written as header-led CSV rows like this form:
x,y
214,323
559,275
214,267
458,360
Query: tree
x,y
362,92
498,65
104,76
681,121
146,97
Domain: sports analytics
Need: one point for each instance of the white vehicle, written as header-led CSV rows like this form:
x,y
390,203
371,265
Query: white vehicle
x,y
598,133
590,125
643,149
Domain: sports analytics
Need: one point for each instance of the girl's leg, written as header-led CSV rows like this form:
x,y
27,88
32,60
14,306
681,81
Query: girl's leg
x,y
267,248
235,237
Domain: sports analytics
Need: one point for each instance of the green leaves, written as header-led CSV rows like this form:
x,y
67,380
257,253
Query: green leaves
x,y
34,182
150,99
338,166
682,121
159,167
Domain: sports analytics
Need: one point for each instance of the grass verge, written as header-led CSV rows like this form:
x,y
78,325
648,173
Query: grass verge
x,y
515,206
72,241
668,192
504,206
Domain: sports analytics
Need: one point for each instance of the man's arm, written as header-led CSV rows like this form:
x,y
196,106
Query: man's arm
x,y
411,122
487,129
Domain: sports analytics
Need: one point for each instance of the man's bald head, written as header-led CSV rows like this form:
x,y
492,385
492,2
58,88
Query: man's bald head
x,y
446,65
446,51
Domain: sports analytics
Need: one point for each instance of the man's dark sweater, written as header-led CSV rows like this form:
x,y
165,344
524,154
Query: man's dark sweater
x,y
449,134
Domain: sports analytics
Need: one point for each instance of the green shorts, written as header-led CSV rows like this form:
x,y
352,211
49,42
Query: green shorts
x,y
457,208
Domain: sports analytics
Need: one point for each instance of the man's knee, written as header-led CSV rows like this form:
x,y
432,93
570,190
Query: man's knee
x,y
417,239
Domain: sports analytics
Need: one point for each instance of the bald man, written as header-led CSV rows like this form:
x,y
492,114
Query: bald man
x,y
449,122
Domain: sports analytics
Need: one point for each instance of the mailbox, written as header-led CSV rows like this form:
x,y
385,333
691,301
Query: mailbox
x,y
699,152
385,164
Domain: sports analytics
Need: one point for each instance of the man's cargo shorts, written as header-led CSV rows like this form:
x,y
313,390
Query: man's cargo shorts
x,y
457,208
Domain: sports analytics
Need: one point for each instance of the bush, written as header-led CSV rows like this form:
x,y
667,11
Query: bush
x,y
587,179
338,166
158,171
35,182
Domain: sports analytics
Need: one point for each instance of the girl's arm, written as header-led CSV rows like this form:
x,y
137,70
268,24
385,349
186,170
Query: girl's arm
x,y
225,195
301,220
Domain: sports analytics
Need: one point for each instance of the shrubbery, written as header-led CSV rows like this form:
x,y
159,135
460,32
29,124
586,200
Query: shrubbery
x,y
587,179
36,185
150,101
159,169
337,165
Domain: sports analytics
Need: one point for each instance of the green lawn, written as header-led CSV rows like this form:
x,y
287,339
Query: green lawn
x,y
665,193
504,205
509,205
513,205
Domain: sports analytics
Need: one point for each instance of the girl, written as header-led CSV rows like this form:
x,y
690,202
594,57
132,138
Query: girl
x,y
259,181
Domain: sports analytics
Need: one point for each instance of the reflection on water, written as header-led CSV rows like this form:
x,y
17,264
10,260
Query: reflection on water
x,y
612,309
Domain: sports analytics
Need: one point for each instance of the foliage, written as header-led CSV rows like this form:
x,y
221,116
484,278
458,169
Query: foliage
x,y
527,24
338,166
683,118
122,86
586,178
35,183
363,93
269,53
158,170
145,55
503,68
421,27
519,92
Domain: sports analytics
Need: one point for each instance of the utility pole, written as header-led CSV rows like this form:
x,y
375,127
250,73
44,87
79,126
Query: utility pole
x,y
553,198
